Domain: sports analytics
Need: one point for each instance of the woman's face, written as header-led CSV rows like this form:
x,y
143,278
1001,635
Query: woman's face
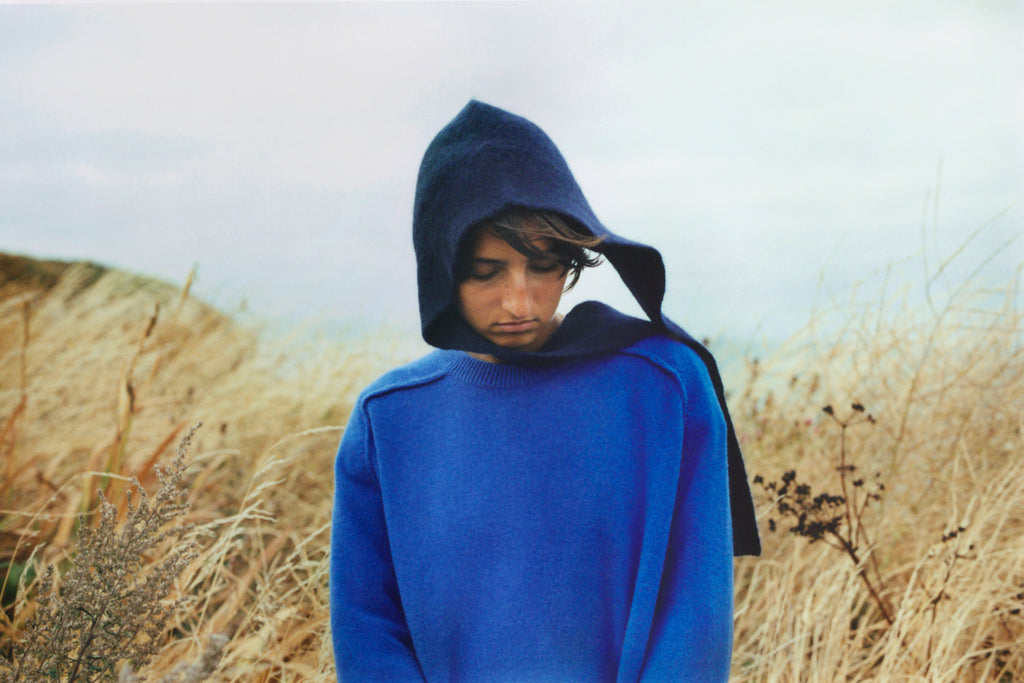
x,y
510,298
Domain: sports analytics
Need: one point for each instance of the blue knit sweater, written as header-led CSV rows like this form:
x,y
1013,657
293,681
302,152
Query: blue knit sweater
x,y
510,522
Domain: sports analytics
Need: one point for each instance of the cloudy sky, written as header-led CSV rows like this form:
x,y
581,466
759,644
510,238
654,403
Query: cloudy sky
x,y
775,152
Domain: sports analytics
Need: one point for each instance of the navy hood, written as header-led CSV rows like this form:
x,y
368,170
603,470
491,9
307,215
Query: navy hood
x,y
487,160
483,162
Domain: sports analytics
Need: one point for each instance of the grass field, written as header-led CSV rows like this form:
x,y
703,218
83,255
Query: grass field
x,y
893,524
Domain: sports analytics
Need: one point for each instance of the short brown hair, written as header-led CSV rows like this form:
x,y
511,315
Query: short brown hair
x,y
519,226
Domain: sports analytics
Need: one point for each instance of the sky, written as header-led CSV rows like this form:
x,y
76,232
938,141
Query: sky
x,y
776,153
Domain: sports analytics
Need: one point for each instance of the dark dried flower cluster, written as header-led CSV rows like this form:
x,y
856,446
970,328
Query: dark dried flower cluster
x,y
109,607
835,519
1019,598
814,516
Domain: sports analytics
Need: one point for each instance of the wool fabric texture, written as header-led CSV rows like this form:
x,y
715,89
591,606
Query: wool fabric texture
x,y
508,522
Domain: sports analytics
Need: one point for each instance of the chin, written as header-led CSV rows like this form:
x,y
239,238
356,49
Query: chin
x,y
515,344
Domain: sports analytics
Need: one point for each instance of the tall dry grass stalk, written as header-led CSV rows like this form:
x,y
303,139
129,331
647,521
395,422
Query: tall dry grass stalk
x,y
101,372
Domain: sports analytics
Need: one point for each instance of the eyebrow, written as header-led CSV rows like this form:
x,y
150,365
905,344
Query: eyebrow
x,y
497,261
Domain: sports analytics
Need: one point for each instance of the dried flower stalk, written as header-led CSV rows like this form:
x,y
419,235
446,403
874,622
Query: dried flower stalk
x,y
109,606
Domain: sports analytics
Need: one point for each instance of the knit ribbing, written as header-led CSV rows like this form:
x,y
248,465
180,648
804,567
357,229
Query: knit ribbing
x,y
484,374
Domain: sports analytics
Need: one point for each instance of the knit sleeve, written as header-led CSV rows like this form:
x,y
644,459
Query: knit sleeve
x,y
691,635
371,638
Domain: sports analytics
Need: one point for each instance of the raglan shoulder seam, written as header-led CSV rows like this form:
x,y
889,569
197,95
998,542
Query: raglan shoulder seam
x,y
662,352
418,373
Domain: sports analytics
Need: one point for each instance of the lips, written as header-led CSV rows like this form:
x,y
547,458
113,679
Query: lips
x,y
517,327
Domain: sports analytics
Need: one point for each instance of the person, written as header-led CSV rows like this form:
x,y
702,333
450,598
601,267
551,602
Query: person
x,y
541,498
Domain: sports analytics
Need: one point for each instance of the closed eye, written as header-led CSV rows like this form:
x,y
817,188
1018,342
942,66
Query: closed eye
x,y
545,267
484,270
483,276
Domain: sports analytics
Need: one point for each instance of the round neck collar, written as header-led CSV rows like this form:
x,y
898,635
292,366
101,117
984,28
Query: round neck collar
x,y
486,374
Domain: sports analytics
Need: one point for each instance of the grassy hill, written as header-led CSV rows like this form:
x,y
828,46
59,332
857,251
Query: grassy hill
x,y
911,568
101,373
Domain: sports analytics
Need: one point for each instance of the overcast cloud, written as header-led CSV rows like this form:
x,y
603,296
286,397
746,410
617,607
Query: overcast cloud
x,y
758,145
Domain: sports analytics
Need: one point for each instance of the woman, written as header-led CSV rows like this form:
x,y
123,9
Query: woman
x,y
542,498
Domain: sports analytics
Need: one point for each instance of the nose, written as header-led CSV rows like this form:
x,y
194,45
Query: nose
x,y
516,300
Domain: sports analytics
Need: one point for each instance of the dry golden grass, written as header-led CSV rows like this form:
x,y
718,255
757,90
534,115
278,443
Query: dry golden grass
x,y
102,372
944,384
111,372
